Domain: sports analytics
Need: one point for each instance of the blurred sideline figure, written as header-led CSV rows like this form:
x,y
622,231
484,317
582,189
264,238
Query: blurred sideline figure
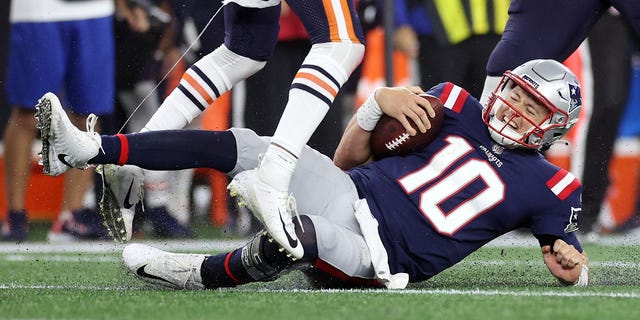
x,y
65,47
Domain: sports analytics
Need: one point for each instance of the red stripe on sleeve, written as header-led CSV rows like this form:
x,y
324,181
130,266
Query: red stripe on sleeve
x,y
556,178
568,190
124,149
462,97
444,95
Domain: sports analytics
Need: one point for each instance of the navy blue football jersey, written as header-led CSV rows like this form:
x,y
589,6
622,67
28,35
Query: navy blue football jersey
x,y
439,204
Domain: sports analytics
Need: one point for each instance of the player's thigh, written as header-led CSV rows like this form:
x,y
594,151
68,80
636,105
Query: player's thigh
x,y
251,32
36,62
543,29
342,249
329,21
320,188
91,76
630,10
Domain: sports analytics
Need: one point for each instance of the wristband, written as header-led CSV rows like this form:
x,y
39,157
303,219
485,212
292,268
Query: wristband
x,y
583,279
369,113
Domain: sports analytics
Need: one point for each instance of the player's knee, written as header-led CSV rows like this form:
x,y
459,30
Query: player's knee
x,y
346,55
229,64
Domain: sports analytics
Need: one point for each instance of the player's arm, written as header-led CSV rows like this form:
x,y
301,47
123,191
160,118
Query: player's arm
x,y
566,263
401,103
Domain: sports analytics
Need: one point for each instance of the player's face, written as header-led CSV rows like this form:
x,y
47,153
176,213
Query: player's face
x,y
525,112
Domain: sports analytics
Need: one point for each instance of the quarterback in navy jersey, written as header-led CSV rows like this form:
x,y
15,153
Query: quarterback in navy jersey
x,y
462,191
366,223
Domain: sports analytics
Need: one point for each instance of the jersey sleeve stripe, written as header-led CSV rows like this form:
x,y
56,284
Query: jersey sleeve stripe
x,y
453,97
563,183
569,189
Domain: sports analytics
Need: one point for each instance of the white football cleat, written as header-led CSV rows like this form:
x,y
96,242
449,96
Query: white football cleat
x,y
63,145
166,269
271,207
122,189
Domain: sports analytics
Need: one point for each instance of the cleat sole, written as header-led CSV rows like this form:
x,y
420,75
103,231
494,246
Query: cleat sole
x,y
43,123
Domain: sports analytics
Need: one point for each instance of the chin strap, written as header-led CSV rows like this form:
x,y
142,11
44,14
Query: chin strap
x,y
546,147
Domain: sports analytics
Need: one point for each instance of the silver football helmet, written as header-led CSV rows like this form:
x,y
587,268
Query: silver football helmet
x,y
552,85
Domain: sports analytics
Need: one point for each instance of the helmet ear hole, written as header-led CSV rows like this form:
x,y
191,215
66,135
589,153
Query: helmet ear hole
x,y
560,119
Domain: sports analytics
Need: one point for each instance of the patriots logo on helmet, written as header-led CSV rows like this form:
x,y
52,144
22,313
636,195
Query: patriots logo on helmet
x,y
574,95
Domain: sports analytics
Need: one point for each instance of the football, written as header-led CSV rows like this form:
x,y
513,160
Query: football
x,y
389,138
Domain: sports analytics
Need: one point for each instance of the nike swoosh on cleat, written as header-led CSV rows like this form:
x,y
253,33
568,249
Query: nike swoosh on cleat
x,y
62,159
144,274
292,242
128,205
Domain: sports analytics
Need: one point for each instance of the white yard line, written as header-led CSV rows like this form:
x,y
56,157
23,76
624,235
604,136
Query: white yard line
x,y
109,246
450,292
512,239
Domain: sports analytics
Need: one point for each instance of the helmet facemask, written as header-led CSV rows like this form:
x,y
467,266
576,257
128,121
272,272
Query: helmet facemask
x,y
505,120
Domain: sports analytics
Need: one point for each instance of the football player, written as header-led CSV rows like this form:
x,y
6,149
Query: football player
x,y
251,28
383,223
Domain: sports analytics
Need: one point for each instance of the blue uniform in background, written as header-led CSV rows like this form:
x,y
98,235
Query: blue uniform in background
x,y
462,191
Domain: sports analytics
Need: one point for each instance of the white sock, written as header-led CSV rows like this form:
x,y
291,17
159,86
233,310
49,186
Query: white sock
x,y
323,72
210,77
156,188
280,161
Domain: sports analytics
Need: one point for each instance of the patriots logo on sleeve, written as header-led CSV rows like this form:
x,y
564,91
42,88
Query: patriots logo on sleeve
x,y
573,220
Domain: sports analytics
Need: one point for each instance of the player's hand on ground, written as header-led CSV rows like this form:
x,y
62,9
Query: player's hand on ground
x,y
564,261
405,105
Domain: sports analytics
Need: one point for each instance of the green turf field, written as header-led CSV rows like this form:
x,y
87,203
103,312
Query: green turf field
x,y
87,281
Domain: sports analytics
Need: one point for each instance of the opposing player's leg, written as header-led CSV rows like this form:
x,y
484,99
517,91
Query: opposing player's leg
x,y
337,49
251,36
540,29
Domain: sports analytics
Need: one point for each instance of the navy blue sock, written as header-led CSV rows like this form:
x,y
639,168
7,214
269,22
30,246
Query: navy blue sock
x,y
224,270
171,150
